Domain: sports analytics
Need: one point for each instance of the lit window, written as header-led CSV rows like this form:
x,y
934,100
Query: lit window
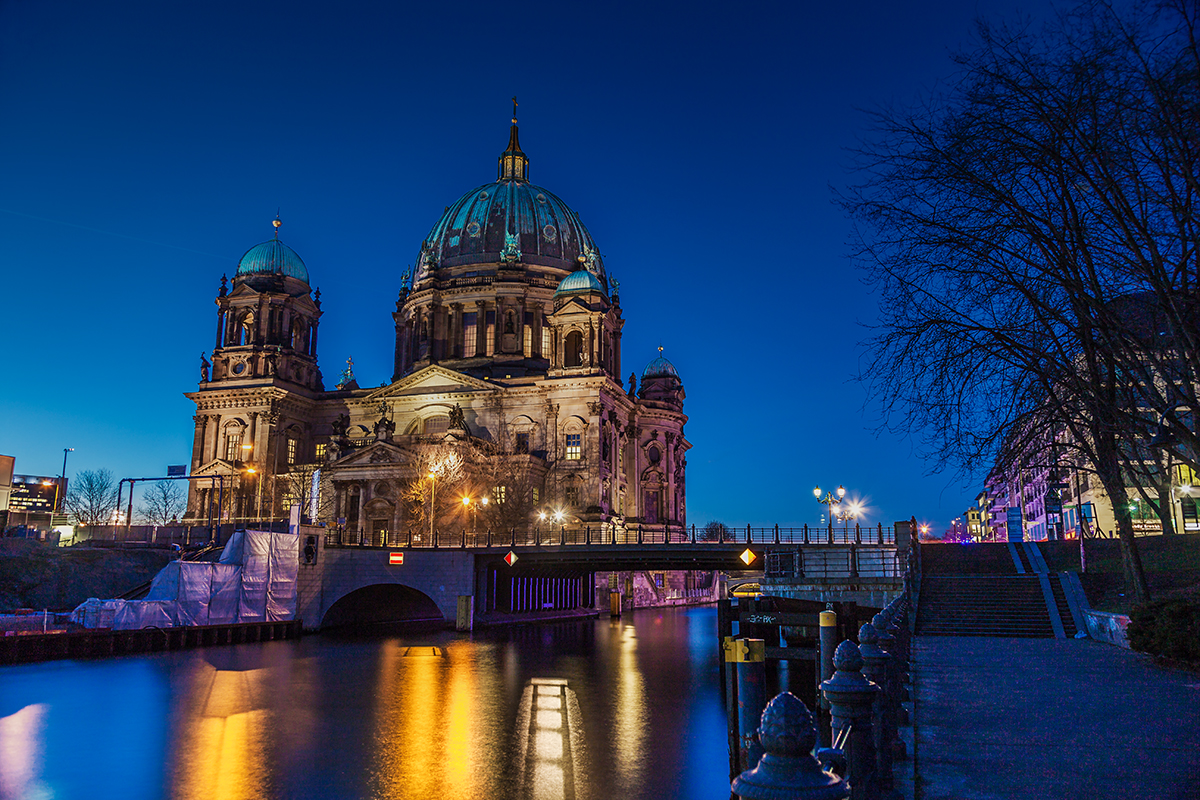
x,y
500,492
321,451
469,340
574,446
491,338
528,341
545,342
537,494
291,450
233,446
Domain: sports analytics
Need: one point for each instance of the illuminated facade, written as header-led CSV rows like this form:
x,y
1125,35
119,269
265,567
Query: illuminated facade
x,y
507,351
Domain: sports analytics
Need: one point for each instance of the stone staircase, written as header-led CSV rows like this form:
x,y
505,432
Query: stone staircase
x,y
991,590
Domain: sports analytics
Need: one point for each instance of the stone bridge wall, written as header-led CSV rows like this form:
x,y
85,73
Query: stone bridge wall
x,y
443,575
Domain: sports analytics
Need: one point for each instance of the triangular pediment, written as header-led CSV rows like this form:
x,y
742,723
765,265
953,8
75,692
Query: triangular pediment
x,y
373,455
433,379
574,305
218,466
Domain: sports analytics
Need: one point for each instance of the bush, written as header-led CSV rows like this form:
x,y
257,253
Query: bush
x,y
1168,628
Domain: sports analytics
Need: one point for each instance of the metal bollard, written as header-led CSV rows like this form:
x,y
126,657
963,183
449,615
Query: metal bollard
x,y
788,769
827,643
749,656
851,698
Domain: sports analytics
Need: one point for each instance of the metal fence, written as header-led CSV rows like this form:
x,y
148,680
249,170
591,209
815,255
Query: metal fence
x,y
868,561
609,534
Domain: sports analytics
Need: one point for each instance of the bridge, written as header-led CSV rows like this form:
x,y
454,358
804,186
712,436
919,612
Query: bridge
x,y
419,577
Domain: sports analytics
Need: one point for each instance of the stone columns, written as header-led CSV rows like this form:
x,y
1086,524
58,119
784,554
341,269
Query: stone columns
x,y
252,440
521,331
480,328
201,421
213,436
536,345
456,331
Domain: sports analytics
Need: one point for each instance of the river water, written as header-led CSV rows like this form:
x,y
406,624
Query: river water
x,y
586,710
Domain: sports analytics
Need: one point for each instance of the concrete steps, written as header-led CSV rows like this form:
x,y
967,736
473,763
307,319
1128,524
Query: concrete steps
x,y
983,605
970,559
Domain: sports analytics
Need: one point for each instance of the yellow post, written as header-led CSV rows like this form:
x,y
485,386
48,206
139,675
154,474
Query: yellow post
x,y
614,603
828,642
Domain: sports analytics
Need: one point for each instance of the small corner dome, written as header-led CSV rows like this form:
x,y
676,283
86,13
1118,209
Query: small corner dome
x,y
578,282
272,257
660,368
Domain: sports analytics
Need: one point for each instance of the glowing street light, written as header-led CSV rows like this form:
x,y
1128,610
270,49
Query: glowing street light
x,y
829,500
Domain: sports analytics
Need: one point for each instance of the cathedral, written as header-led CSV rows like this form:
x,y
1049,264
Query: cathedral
x,y
506,409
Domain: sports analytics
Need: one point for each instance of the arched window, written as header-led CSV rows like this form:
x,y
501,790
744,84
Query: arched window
x,y
573,356
437,425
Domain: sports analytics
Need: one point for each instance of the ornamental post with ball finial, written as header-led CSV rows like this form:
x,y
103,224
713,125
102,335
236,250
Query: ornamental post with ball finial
x,y
851,698
788,768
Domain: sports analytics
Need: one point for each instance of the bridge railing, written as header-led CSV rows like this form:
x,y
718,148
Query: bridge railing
x,y
855,561
548,534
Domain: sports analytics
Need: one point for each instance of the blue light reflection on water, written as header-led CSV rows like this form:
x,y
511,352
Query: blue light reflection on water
x,y
103,726
329,718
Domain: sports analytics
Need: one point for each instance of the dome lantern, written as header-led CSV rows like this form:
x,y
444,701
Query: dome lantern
x,y
514,166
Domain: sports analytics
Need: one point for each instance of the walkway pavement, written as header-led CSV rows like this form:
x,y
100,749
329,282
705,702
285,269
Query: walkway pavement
x,y
1014,718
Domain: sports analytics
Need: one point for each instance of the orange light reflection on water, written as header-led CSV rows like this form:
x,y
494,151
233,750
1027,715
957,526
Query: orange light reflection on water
x,y
222,754
427,728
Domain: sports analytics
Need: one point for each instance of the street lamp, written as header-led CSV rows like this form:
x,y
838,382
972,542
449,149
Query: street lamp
x,y
474,507
560,518
61,482
829,500
432,501
250,470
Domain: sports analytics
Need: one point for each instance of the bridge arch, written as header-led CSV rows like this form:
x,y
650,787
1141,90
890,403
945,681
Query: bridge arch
x,y
382,603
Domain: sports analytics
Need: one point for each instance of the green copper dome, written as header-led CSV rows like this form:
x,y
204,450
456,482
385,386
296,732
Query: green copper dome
x,y
272,257
578,282
660,368
510,221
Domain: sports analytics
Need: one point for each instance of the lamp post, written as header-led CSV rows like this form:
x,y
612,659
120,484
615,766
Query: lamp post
x,y
433,499
252,470
474,507
829,500
560,518
61,482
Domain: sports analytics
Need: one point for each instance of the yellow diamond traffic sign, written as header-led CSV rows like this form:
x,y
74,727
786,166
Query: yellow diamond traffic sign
x,y
747,557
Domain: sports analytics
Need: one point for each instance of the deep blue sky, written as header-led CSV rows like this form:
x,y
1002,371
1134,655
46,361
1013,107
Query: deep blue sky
x,y
145,146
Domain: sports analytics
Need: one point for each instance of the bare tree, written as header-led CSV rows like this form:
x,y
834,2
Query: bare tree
x,y
92,497
1007,223
163,502
513,480
297,485
436,486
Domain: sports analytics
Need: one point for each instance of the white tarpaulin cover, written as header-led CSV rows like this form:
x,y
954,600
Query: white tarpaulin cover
x,y
254,581
270,563
137,614
205,593
96,613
